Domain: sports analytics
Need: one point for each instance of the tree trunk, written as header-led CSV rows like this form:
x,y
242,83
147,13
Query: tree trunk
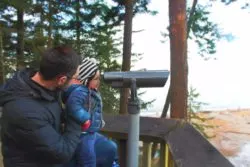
x,y
2,73
78,27
20,39
50,28
189,25
126,61
167,104
168,98
178,54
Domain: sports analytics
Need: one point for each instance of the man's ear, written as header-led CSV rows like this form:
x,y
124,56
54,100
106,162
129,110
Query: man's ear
x,y
61,80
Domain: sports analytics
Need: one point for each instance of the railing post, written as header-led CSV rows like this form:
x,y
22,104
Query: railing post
x,y
166,159
147,149
122,152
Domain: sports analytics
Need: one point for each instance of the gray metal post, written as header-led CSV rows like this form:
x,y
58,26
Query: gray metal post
x,y
134,79
134,127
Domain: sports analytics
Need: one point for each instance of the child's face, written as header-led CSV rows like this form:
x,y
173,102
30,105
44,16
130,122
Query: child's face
x,y
95,82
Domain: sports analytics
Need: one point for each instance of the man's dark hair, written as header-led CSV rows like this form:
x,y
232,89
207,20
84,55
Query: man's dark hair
x,y
61,60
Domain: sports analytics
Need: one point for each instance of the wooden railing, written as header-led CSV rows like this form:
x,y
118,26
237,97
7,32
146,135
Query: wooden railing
x,y
180,144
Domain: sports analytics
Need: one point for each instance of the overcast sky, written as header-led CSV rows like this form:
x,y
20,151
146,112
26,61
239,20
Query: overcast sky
x,y
224,82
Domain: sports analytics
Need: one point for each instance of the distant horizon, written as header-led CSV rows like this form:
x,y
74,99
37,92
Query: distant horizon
x,y
158,113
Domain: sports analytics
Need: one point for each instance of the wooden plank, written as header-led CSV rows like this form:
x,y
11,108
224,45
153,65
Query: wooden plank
x,y
151,129
190,149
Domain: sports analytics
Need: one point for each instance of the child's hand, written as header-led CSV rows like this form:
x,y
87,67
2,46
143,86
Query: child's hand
x,y
86,125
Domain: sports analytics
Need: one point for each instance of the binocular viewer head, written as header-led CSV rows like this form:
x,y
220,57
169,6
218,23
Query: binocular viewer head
x,y
143,79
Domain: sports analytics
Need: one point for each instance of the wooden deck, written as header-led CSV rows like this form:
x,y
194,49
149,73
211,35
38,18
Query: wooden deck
x,y
181,144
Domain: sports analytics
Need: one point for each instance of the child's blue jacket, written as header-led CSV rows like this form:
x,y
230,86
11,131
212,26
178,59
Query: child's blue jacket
x,y
84,104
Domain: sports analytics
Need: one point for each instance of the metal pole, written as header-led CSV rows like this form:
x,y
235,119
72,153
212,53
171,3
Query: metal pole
x,y
134,127
133,140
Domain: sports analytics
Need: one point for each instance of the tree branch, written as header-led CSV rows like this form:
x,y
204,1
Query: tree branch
x,y
136,31
189,23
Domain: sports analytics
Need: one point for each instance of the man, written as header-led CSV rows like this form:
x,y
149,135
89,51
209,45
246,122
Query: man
x,y
31,117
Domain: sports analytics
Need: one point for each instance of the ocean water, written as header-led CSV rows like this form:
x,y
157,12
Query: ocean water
x,y
243,157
